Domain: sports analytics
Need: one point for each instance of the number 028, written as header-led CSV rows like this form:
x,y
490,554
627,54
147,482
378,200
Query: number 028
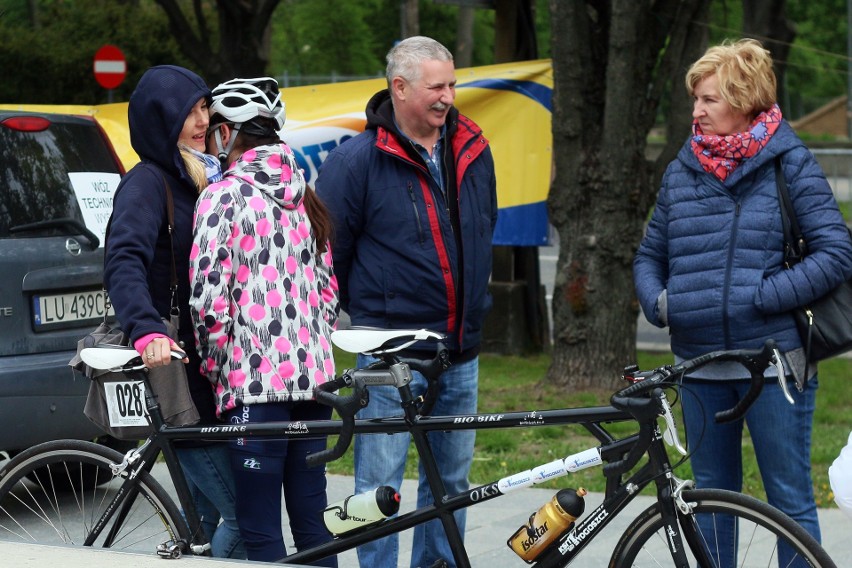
x,y
129,397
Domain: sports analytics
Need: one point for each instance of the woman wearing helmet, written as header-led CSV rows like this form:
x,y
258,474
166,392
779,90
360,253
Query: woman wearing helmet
x,y
264,303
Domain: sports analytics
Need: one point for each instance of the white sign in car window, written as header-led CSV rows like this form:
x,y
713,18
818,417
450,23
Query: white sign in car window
x,y
94,191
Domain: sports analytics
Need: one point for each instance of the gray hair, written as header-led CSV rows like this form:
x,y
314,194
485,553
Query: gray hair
x,y
404,58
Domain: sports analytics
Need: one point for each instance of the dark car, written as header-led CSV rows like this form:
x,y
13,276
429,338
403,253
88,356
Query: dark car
x,y
57,175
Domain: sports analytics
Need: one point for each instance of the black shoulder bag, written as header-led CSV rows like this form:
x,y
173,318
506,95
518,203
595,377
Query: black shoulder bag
x,y
825,325
115,402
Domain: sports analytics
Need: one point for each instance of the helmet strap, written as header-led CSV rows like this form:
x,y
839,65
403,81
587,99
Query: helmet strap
x,y
224,152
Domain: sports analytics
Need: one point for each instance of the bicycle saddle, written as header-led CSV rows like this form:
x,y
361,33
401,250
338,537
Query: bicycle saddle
x,y
107,357
103,358
372,339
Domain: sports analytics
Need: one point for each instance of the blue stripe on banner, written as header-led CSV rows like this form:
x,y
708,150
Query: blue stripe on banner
x,y
523,225
536,91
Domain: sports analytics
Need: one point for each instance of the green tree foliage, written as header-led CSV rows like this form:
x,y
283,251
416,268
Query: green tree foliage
x,y
47,54
321,38
352,38
817,67
817,63
48,58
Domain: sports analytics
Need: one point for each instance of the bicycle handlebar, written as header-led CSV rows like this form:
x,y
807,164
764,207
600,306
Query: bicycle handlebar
x,y
431,369
645,409
346,406
756,361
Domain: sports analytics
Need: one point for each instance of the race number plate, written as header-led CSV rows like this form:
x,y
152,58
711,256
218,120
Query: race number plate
x,y
126,403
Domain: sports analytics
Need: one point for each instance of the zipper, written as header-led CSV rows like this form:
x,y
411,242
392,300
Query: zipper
x,y
727,291
416,212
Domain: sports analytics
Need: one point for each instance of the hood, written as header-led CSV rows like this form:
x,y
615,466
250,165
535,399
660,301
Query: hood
x,y
271,170
380,112
158,109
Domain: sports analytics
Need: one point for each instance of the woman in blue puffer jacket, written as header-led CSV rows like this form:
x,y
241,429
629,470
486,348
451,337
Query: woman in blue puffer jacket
x,y
710,267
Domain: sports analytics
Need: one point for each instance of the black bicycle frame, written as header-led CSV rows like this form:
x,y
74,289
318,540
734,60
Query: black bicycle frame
x,y
591,418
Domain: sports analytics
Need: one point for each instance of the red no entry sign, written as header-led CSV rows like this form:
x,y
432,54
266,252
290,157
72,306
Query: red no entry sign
x,y
110,67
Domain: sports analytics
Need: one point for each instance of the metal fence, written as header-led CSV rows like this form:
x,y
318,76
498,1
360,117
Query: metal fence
x,y
837,165
288,79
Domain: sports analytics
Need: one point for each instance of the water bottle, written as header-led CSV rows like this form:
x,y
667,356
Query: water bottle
x,y
361,510
548,523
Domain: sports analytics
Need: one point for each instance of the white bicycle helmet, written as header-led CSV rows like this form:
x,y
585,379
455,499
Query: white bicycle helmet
x,y
239,102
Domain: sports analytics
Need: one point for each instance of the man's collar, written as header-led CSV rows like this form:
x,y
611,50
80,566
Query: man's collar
x,y
413,142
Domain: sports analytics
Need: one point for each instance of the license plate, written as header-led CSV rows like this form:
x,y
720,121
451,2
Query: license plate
x,y
61,308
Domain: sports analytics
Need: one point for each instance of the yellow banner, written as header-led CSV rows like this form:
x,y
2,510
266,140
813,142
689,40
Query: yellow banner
x,y
510,101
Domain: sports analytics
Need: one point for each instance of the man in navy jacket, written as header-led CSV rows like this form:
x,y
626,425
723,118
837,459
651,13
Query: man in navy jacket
x,y
414,202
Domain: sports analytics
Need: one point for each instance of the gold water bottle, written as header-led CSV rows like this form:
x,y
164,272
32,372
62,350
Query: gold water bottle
x,y
548,523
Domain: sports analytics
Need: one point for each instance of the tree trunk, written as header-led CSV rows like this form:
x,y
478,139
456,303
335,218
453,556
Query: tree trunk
x,y
514,30
612,62
766,21
409,18
243,33
679,115
464,37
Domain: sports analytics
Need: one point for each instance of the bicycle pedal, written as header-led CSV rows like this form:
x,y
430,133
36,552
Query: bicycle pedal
x,y
170,549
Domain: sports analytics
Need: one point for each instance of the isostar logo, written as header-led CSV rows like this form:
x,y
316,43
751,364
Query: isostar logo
x,y
535,536
574,540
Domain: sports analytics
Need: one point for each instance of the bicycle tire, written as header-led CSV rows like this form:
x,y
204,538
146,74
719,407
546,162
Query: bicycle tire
x,y
55,492
760,528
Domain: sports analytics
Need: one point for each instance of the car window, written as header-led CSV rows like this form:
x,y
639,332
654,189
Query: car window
x,y
36,170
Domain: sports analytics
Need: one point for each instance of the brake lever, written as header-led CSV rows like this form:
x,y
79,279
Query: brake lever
x,y
670,435
782,379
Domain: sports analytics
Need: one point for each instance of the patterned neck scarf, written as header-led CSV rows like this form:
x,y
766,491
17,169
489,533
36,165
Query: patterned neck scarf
x,y
212,167
720,155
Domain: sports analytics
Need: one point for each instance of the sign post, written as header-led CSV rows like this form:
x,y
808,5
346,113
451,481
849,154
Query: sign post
x,y
109,67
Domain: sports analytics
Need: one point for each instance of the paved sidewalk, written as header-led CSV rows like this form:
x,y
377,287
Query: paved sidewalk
x,y
490,524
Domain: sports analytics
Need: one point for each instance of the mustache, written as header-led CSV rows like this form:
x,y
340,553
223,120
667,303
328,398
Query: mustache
x,y
439,106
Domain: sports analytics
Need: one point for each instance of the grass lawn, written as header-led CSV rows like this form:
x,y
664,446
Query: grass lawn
x,y
509,383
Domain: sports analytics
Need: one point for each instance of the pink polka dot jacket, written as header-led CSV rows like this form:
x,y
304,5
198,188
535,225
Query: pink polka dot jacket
x,y
263,302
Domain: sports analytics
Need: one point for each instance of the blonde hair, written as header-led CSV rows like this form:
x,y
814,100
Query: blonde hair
x,y
194,168
744,70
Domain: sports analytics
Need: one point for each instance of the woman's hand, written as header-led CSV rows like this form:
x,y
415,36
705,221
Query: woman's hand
x,y
158,352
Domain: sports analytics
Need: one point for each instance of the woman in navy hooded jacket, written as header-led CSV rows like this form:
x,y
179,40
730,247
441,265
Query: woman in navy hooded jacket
x,y
168,120
711,268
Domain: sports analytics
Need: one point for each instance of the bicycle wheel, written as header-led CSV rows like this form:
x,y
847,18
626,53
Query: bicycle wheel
x,y
55,493
761,531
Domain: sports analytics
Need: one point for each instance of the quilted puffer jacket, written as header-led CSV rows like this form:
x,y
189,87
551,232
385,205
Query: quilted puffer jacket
x,y
716,249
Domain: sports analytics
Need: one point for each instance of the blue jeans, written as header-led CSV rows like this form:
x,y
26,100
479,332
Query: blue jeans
x,y
208,474
781,435
380,460
262,467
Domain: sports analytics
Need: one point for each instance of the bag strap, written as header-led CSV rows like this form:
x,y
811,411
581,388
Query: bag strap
x,y
170,218
170,221
795,247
